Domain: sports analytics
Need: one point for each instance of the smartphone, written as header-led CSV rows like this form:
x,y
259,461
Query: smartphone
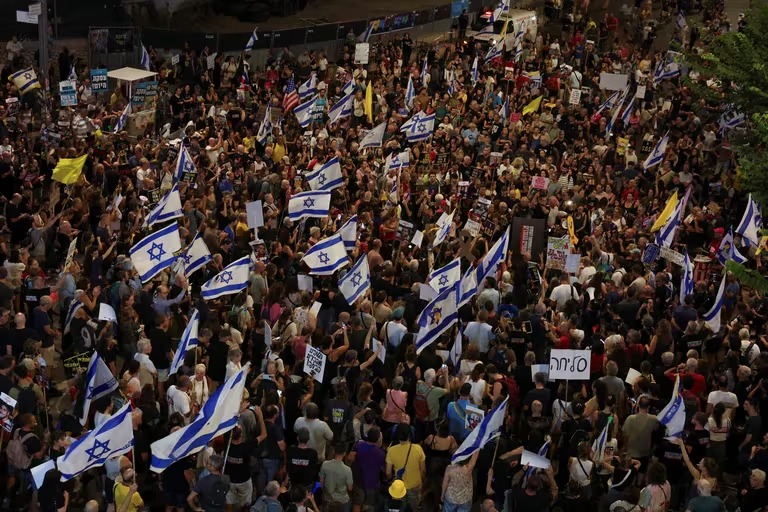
x,y
444,367
315,487
267,377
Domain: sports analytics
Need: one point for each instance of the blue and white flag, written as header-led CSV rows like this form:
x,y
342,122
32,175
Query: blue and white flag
x,y
451,83
751,224
598,446
145,61
363,38
155,252
375,137
326,256
349,88
184,164
305,112
123,119
667,68
615,117
327,176
627,114
727,250
424,71
446,276
410,93
72,73
475,72
357,281
308,88
218,416
495,50
657,155
665,237
502,9
488,430
25,80
196,255
712,317
73,307
341,109
443,229
232,279
686,283
398,161
99,382
422,128
681,23
468,287
504,112
348,232
542,452
454,355
168,208
252,40
610,102
188,342
486,31
406,126
672,417
437,317
731,118
111,439
518,53
309,204
495,257
265,128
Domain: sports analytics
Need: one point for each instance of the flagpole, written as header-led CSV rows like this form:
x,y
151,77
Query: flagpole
x,y
226,454
498,439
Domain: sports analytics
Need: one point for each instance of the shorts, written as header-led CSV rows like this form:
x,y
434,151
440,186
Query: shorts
x,y
175,499
240,495
162,375
357,496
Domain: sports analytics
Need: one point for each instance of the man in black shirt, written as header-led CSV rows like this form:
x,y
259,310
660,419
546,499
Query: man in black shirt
x,y
272,447
238,469
302,465
161,355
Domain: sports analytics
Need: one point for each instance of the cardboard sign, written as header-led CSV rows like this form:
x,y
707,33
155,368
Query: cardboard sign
x,y
572,262
68,93
314,363
558,250
673,256
613,81
99,81
418,238
474,415
569,364
7,405
255,212
405,231
540,182
575,98
534,460
361,53
473,227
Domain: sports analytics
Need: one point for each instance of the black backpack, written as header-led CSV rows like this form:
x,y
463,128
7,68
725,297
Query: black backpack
x,y
218,495
27,400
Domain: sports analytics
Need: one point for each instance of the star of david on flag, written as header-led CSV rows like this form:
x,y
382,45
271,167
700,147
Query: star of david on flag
x,y
357,281
232,279
327,256
156,251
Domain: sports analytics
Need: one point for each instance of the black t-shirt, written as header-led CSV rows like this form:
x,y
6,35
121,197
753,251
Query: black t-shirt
x,y
520,500
302,465
161,345
17,337
174,480
672,457
337,413
217,360
543,395
238,463
269,449
140,446
698,440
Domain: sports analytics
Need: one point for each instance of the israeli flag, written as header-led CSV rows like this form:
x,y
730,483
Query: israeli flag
x,y
488,430
357,281
398,161
657,155
475,73
468,288
306,112
598,446
665,237
455,353
252,40
542,452
123,119
326,177
667,68
731,118
349,88
99,382
686,283
111,439
410,93
363,38
406,126
155,252
437,317
518,53
486,31
265,128
326,256
218,416
348,233
73,307
519,34
451,83
341,109
72,73
196,255
628,113
495,50
375,137
445,277
422,128
673,415
188,342
610,102
308,88
502,9
504,112
184,164
309,204
614,118
751,224
424,71
145,62
712,317
167,209
232,279
443,230
495,257
727,250
681,23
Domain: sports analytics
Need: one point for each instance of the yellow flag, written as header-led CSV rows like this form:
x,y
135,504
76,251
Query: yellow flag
x,y
533,106
369,102
666,213
68,170
572,231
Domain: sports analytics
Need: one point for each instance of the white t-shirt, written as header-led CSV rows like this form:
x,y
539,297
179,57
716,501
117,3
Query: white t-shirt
x,y
754,352
146,362
726,397
562,293
178,401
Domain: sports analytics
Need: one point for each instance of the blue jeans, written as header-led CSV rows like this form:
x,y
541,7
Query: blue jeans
x,y
268,469
452,507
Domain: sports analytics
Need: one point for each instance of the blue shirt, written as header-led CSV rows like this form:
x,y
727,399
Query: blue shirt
x,y
457,412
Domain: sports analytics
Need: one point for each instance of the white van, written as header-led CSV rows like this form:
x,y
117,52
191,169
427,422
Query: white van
x,y
512,21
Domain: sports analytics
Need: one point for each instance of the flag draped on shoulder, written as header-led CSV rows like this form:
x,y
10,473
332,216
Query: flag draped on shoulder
x,y
488,430
232,279
437,317
188,342
99,382
326,256
112,438
309,204
218,416
155,252
357,281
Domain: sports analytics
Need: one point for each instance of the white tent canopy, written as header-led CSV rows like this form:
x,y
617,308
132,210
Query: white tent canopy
x,y
130,74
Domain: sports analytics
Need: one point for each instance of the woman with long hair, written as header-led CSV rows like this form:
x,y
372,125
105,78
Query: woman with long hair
x,y
656,495
52,497
719,425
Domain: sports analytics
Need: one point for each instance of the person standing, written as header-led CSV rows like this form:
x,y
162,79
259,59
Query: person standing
x,y
238,469
458,485
210,493
408,462
125,492
336,479
638,432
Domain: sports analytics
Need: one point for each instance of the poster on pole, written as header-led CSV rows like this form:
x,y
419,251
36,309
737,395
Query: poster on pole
x,y
575,98
68,93
255,214
99,80
314,363
474,415
569,364
361,53
558,250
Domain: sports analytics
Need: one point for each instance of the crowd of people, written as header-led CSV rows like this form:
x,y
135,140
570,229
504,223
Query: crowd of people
x,y
378,433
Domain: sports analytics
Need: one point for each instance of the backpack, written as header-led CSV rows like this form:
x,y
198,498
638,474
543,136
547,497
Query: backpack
x,y
421,405
218,495
510,388
27,400
17,452
264,505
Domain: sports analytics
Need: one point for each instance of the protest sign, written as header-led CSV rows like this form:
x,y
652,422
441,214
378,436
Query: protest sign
x,y
107,313
99,80
39,472
673,256
534,460
375,344
7,405
540,182
405,231
473,417
569,364
572,262
558,250
305,283
68,92
473,227
361,53
255,213
315,309
613,81
650,254
632,376
314,363
575,98
418,238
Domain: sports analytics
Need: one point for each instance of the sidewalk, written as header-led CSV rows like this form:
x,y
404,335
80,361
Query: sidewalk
x,y
733,8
